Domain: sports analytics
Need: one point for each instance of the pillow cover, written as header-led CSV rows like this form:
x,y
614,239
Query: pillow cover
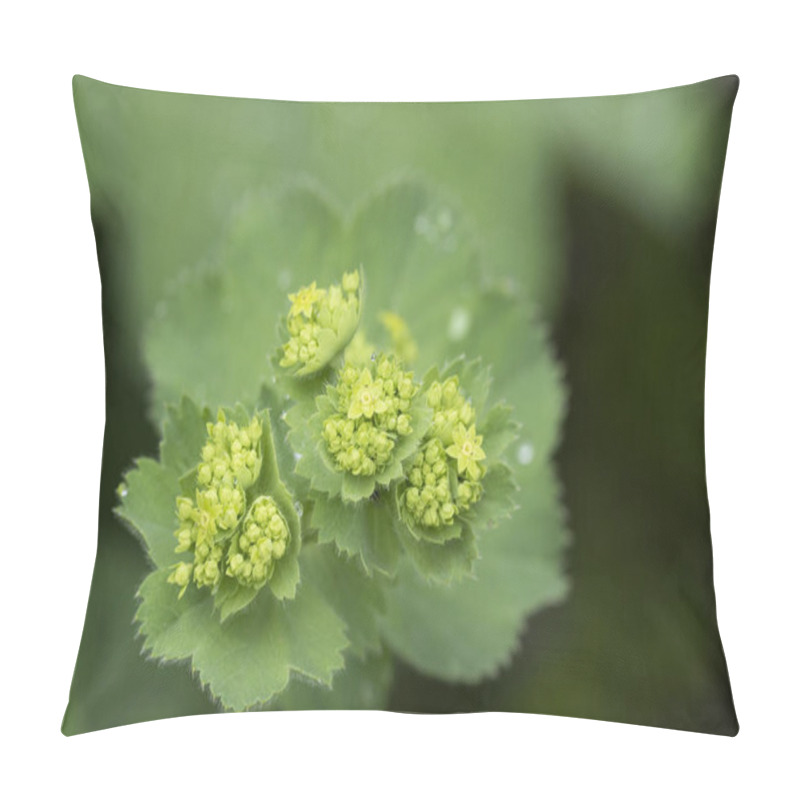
x,y
404,407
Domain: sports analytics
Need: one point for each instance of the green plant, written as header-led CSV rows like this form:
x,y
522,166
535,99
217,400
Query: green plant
x,y
337,483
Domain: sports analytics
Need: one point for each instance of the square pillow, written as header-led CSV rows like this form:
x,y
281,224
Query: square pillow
x,y
404,407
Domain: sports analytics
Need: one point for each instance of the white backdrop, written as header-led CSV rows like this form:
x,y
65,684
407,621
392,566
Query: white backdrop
x,y
53,403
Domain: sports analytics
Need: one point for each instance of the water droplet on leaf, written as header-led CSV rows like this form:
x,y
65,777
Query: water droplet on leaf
x,y
460,321
525,453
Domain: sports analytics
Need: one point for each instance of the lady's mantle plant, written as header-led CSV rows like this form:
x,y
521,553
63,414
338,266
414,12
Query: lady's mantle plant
x,y
320,323
356,500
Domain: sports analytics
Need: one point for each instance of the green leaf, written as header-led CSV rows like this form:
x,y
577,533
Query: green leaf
x,y
252,656
434,535
313,462
184,435
148,505
356,598
355,488
443,562
284,579
214,332
270,400
468,630
303,390
231,597
364,531
420,262
149,490
498,501
499,430
361,685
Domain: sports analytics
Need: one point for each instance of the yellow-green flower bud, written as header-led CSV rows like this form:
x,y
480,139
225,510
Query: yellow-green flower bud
x,y
320,324
181,575
351,281
403,342
445,476
371,415
466,450
230,463
252,557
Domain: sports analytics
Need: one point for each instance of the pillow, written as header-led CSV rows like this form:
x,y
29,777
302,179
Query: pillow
x,y
404,407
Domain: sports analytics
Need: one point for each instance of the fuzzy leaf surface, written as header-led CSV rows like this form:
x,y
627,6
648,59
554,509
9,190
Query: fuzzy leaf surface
x,y
356,599
150,489
212,337
361,685
364,531
251,657
445,562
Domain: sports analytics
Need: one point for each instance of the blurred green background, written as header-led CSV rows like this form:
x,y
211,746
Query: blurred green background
x,y
603,211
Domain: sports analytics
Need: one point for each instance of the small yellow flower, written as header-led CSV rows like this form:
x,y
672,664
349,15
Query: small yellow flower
x,y
180,576
402,341
303,300
351,281
466,449
372,413
368,398
320,324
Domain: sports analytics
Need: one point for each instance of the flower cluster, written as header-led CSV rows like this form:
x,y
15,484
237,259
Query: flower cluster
x,y
444,478
230,463
402,341
372,412
320,324
262,542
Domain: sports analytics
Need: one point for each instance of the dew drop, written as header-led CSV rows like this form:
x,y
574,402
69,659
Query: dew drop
x,y
284,279
421,225
298,507
297,456
525,453
460,321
